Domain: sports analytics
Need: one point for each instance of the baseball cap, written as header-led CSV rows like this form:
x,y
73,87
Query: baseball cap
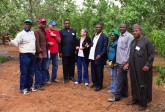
x,y
51,22
42,20
28,21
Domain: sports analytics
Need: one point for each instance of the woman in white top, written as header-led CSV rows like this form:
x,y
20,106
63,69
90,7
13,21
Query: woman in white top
x,y
83,47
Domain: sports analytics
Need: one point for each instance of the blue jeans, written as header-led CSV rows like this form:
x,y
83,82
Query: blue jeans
x,y
54,59
27,69
41,72
113,73
81,61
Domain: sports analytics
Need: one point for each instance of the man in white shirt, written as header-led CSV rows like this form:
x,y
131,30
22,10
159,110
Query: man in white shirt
x,y
98,57
27,48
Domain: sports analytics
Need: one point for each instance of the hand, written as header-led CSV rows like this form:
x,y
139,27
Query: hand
x,y
77,48
124,63
81,48
126,67
60,55
40,56
50,43
53,35
145,68
98,57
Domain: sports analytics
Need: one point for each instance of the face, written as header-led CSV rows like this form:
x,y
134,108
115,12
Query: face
x,y
137,33
83,33
112,37
67,24
42,25
51,27
27,26
98,29
123,28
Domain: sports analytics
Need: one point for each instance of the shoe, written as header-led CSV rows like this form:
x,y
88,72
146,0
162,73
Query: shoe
x,y
109,91
141,108
86,84
66,81
132,102
48,83
72,79
76,83
93,85
98,89
25,92
56,81
39,88
113,99
32,89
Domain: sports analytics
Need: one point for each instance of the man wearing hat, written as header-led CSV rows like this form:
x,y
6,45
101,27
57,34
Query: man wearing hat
x,y
42,75
24,39
53,39
140,62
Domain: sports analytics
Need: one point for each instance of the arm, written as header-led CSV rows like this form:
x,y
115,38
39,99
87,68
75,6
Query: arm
x,y
16,41
56,36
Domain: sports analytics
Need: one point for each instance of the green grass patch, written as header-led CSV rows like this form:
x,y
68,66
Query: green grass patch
x,y
3,59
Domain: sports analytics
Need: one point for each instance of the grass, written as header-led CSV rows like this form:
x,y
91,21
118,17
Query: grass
x,y
3,59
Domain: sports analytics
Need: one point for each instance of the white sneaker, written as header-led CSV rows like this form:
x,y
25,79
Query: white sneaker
x,y
25,92
86,84
76,83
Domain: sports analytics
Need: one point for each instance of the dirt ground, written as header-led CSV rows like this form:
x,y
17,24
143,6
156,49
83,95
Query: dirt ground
x,y
60,97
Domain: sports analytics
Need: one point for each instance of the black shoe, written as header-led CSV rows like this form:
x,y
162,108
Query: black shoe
x,y
93,85
98,89
66,81
39,88
72,79
141,108
132,102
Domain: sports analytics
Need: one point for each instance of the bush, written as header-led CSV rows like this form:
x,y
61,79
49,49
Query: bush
x,y
3,59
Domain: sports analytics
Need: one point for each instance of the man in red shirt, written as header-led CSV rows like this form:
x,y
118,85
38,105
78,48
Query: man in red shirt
x,y
53,39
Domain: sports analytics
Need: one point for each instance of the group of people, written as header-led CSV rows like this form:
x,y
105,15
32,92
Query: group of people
x,y
125,52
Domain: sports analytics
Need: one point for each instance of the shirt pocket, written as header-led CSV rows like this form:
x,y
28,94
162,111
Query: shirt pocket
x,y
123,44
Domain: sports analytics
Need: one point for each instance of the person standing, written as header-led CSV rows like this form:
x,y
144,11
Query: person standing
x,y
53,39
83,47
42,75
67,51
140,63
24,39
112,60
123,50
98,57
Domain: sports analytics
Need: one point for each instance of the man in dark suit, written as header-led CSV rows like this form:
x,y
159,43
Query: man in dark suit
x,y
67,51
98,57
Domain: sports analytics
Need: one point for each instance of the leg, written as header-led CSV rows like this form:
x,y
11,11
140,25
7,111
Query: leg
x,y
45,72
71,67
100,69
79,68
65,63
54,66
113,81
38,74
93,72
85,75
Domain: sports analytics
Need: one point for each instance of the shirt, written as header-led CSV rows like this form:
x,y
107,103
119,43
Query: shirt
x,y
80,52
123,48
92,50
25,41
54,47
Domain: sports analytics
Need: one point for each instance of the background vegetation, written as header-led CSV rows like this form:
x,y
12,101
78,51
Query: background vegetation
x,y
149,13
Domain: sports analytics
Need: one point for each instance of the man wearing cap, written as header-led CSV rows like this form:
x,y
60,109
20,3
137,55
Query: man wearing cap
x,y
42,75
122,55
140,63
53,39
24,39
67,51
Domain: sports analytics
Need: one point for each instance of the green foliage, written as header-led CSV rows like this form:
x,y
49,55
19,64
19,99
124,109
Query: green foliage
x,y
3,59
161,75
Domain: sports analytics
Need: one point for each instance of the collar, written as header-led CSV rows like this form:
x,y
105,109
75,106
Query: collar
x,y
124,34
27,30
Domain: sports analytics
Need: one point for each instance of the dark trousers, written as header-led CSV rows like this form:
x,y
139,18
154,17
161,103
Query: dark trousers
x,y
97,74
68,63
122,83
27,68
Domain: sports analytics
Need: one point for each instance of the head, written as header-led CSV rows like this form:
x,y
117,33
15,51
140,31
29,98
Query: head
x,y
51,25
137,31
67,24
84,32
27,24
98,28
42,23
114,35
123,28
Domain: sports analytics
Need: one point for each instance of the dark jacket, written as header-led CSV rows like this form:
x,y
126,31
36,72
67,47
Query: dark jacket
x,y
68,42
85,50
101,49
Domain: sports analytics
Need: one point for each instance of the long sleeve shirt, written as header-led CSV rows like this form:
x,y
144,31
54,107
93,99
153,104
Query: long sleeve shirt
x,y
123,48
25,41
